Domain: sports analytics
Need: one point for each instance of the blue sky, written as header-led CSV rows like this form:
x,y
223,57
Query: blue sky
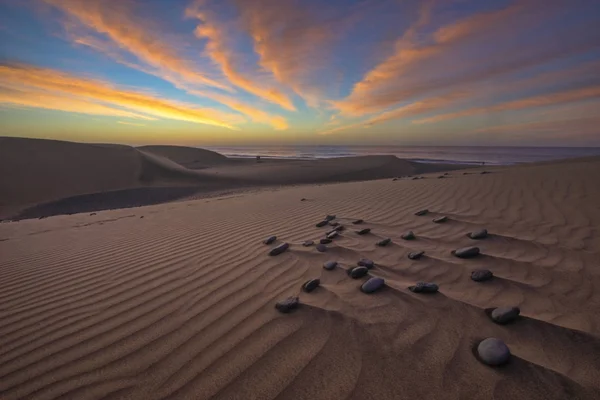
x,y
215,72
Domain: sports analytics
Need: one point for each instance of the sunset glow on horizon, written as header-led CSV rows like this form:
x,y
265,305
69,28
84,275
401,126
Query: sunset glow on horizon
x,y
211,72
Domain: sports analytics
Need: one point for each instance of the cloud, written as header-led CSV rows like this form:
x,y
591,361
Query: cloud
x,y
219,51
568,96
160,57
94,96
294,41
116,20
129,123
473,50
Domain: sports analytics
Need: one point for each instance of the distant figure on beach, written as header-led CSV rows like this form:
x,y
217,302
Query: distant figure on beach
x,y
257,159
483,163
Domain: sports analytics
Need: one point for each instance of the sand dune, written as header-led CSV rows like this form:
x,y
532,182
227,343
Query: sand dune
x,y
180,304
52,177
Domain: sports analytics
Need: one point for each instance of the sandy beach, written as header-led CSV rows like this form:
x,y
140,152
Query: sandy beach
x,y
177,300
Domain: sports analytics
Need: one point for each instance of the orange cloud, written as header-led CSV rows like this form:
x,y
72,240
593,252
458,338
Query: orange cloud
x,y
446,61
219,52
129,123
531,102
74,90
290,42
115,19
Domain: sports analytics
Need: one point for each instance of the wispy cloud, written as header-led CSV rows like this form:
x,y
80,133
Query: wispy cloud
x,y
446,59
219,50
562,97
31,85
130,123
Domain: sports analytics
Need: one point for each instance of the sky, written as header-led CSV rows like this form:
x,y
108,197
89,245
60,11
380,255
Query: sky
x,y
236,72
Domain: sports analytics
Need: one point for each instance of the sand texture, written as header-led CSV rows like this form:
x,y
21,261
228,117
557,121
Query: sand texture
x,y
180,304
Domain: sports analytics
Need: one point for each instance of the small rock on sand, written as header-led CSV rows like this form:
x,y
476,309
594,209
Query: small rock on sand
x,y
332,235
321,248
493,352
415,255
480,234
358,272
466,252
372,285
325,241
365,262
364,231
311,285
308,243
410,235
334,223
330,265
484,172
322,224
329,218
439,220
481,275
358,221
287,305
303,199
424,287
421,212
279,249
92,214
504,315
270,240
384,242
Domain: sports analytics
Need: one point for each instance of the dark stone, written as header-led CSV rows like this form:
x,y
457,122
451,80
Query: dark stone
x,y
311,285
358,221
415,178
480,234
330,265
482,275
279,249
424,287
270,240
334,223
395,179
415,255
504,315
321,248
384,242
332,235
141,217
422,212
329,218
322,224
308,243
93,214
484,172
303,199
358,272
364,231
287,305
365,262
325,241
410,235
440,219
493,352
372,285
466,252
441,177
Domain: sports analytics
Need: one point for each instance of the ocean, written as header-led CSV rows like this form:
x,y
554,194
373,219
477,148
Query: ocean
x,y
443,154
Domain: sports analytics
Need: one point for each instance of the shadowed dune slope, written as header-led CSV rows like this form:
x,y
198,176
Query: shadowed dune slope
x,y
36,171
46,177
180,304
189,157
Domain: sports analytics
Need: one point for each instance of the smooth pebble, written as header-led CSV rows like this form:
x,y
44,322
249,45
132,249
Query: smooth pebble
x,y
384,242
330,265
321,248
493,352
364,231
480,234
365,262
504,315
311,285
358,272
270,240
415,255
322,224
466,252
325,241
410,235
308,243
372,285
424,287
287,305
421,212
481,275
279,249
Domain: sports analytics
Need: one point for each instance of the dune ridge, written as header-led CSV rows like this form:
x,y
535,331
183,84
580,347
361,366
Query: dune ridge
x,y
50,177
180,304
